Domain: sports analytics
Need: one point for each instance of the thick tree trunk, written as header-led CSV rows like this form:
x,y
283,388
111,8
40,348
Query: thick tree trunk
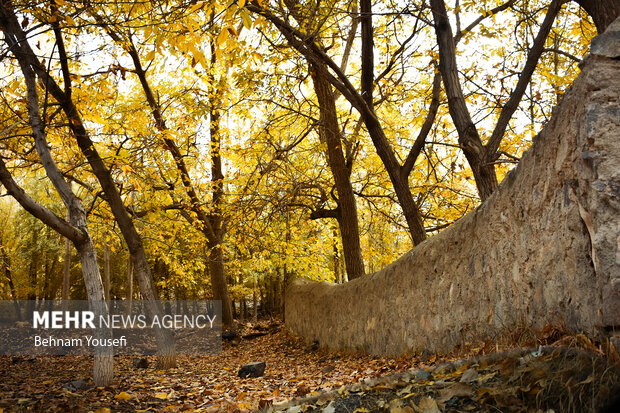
x,y
347,208
603,12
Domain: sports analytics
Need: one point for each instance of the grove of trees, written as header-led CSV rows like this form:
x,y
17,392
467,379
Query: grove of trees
x,y
220,149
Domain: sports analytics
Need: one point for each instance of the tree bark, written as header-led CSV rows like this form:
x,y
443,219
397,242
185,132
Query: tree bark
x,y
216,255
6,263
106,270
603,12
469,140
329,130
66,273
129,296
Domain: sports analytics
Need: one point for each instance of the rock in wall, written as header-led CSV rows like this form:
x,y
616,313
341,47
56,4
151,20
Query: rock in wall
x,y
545,248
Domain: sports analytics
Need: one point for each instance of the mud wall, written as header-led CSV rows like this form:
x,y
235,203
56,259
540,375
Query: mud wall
x,y
545,248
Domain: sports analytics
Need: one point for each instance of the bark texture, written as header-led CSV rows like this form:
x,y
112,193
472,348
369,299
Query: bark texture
x,y
546,245
346,213
603,12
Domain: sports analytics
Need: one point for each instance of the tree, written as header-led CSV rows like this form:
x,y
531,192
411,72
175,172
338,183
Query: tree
x,y
77,228
363,101
481,157
210,223
30,63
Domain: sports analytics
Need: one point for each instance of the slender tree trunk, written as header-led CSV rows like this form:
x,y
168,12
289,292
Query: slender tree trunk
x,y
255,300
129,295
211,224
77,229
106,269
6,263
347,209
336,256
66,274
218,282
218,274
104,355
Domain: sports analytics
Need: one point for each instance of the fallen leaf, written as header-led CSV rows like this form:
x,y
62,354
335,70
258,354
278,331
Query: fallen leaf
x,y
123,396
161,396
428,405
457,389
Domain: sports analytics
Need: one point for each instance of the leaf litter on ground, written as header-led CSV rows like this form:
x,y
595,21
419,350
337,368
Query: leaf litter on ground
x,y
304,378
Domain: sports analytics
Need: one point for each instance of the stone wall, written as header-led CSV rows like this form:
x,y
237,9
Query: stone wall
x,y
545,248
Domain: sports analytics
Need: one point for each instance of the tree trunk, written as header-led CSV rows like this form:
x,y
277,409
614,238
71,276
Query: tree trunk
x,y
255,300
106,269
400,183
29,60
6,263
347,210
218,282
66,274
211,225
103,369
129,296
603,12
469,140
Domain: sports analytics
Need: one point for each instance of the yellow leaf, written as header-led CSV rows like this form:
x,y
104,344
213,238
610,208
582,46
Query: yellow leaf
x,y
123,396
223,36
162,396
198,5
103,410
150,55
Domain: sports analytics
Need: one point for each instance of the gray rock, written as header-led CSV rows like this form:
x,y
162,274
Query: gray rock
x,y
140,363
255,369
76,385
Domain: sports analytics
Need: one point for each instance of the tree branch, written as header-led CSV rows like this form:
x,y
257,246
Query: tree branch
x,y
526,75
425,130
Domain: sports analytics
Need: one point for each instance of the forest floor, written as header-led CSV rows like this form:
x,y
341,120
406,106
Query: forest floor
x,y
571,375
